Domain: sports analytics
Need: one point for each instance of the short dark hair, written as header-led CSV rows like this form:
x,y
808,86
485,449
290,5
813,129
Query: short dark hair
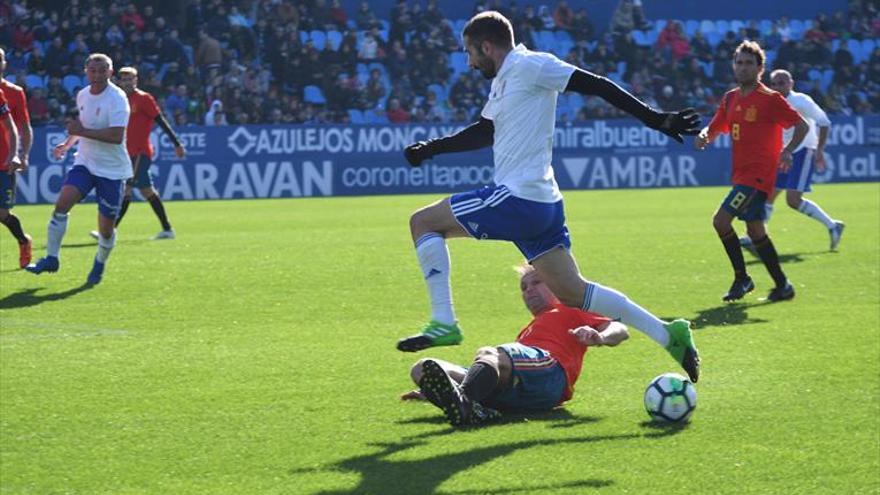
x,y
752,47
489,26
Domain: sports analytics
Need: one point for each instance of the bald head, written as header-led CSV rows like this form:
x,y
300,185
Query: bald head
x,y
781,81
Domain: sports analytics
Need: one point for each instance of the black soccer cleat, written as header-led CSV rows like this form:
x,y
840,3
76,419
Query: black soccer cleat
x,y
738,289
783,293
444,393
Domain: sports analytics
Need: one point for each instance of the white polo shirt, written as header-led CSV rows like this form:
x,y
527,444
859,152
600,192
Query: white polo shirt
x,y
107,109
522,105
813,114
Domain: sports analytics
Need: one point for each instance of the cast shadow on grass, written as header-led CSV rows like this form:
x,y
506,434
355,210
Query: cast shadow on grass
x,y
558,418
725,315
94,244
381,474
29,297
786,258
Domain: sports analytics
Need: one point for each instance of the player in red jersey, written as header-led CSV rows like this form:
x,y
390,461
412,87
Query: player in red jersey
x,y
755,117
17,108
535,373
144,112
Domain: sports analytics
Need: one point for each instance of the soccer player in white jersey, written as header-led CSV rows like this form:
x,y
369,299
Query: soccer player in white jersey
x,y
796,181
100,163
525,205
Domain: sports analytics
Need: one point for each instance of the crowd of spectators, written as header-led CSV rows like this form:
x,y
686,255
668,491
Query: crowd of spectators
x,y
218,62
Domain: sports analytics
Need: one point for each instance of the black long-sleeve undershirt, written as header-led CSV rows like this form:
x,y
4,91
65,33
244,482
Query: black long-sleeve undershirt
x,y
587,83
478,135
163,123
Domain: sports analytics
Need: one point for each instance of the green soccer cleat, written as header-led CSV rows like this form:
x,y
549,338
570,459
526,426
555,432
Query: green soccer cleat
x,y
433,334
681,346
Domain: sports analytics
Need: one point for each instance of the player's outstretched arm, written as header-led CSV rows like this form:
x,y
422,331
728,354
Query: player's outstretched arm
x,y
608,334
673,124
478,135
179,150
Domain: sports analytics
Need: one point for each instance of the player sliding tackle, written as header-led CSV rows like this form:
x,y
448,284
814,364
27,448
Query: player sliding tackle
x,y
525,205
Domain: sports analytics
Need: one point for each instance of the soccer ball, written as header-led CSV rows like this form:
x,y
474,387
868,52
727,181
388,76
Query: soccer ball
x,y
670,398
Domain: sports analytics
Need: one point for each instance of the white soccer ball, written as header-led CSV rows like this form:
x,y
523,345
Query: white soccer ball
x,y
670,398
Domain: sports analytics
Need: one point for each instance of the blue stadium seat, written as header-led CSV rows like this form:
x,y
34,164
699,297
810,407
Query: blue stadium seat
x,y
771,56
374,117
356,116
766,26
855,48
362,69
835,45
621,68
797,28
708,67
384,25
458,62
545,40
827,77
10,78
868,47
438,90
722,26
736,25
563,37
335,39
34,81
640,38
459,26
658,26
303,37
690,27
714,38
707,26
319,39
313,94
71,83
563,47
815,75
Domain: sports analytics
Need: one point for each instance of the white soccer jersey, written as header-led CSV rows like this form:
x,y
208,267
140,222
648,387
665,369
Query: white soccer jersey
x,y
522,105
812,113
107,109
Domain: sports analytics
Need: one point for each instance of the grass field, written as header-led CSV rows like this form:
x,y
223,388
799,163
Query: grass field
x,y
255,354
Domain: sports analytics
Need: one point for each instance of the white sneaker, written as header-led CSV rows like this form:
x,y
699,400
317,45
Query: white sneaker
x,y
165,234
836,233
95,235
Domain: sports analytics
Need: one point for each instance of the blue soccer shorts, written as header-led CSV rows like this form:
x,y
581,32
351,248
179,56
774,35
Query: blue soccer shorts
x,y
537,382
141,167
7,190
108,192
800,176
492,212
745,203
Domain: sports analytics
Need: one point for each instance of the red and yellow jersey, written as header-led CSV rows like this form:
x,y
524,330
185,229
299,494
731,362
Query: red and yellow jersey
x,y
755,123
549,331
15,102
144,111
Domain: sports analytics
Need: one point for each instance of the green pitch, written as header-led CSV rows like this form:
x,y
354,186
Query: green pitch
x,y
255,354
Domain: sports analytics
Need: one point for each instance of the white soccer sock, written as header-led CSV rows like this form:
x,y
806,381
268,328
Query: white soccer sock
x,y
768,212
105,245
812,210
613,304
57,228
434,259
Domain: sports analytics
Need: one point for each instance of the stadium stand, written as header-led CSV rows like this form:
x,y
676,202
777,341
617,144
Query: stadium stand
x,y
317,61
